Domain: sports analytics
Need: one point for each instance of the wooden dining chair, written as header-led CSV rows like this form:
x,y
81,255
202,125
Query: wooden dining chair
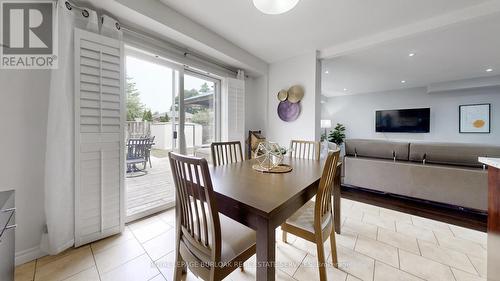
x,y
305,149
314,221
210,244
226,152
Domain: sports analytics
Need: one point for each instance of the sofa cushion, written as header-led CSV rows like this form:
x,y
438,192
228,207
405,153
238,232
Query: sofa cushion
x,y
455,185
452,153
377,149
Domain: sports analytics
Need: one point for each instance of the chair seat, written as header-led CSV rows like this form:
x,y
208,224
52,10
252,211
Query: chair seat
x,y
136,160
304,218
236,238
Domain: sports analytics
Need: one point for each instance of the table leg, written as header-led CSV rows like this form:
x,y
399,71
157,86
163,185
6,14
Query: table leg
x,y
336,199
266,253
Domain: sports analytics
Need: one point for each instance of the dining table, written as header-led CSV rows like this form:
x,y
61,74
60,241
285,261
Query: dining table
x,y
263,201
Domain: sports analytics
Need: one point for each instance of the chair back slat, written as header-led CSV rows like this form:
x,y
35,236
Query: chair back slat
x,y
137,148
197,216
226,152
305,149
323,204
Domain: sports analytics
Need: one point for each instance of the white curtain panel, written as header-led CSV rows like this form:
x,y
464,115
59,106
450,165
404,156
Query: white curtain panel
x,y
111,27
59,160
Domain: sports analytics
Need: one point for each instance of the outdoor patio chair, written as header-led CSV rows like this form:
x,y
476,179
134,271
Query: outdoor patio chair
x,y
149,146
136,154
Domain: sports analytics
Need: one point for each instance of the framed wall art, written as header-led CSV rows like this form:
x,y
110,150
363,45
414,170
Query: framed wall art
x,y
475,118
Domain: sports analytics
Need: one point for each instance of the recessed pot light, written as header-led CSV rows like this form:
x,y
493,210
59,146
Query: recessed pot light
x,y
403,81
489,70
326,72
411,54
345,89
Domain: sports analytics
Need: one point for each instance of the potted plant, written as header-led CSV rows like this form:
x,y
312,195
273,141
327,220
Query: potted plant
x,y
337,136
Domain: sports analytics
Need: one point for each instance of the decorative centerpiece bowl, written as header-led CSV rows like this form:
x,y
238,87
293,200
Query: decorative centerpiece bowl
x,y
269,157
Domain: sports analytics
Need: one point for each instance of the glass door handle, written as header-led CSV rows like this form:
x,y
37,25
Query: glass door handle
x,y
175,134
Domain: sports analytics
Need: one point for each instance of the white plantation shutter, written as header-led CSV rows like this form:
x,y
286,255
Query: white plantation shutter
x,y
233,111
99,140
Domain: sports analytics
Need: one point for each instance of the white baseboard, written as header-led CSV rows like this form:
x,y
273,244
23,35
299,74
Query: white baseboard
x,y
29,255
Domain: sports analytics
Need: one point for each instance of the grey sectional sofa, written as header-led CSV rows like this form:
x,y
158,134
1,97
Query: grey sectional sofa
x,y
446,173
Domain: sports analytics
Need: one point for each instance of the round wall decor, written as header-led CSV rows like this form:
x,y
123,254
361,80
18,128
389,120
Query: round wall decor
x,y
282,95
288,111
295,94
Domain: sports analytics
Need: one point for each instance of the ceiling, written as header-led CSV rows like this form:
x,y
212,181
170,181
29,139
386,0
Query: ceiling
x,y
460,51
311,25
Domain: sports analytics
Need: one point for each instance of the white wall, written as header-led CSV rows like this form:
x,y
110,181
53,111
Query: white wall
x,y
256,104
24,104
357,113
302,70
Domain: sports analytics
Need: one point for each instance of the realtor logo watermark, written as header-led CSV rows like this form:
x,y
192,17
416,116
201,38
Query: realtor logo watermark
x,y
28,35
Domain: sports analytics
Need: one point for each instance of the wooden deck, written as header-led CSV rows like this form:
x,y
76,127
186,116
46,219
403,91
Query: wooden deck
x,y
151,191
154,191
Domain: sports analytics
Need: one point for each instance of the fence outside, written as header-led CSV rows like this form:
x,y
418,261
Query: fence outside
x,y
163,133
137,129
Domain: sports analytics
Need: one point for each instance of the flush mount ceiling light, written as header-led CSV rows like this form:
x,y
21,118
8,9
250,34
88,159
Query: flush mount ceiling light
x,y
274,7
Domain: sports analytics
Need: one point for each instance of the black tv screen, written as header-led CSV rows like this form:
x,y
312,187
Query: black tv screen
x,y
416,120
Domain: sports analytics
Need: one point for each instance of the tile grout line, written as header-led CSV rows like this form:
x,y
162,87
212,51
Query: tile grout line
x,y
399,249
453,274
399,260
117,266
435,236
146,252
34,270
67,277
477,271
374,265
446,265
301,262
95,262
404,271
419,250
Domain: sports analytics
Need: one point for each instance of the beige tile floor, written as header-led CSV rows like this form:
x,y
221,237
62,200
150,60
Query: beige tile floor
x,y
376,244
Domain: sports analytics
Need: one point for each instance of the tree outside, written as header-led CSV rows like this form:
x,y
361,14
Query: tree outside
x,y
135,108
205,117
204,88
165,118
147,116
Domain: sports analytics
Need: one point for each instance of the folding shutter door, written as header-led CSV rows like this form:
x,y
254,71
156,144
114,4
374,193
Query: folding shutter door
x,y
99,142
234,110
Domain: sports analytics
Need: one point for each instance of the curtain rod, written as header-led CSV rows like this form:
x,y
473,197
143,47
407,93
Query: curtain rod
x,y
185,52
71,6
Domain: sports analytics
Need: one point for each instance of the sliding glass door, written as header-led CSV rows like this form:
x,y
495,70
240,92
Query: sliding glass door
x,y
150,131
198,113
169,108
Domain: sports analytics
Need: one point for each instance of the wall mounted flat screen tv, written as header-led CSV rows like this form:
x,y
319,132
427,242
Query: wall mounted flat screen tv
x,y
415,120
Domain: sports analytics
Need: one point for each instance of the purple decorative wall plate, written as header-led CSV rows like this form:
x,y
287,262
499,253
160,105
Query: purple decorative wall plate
x,y
288,111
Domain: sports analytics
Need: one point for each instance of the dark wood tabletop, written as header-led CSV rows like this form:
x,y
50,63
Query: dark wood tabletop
x,y
263,201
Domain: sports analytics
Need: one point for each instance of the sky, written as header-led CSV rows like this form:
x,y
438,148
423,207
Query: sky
x,y
154,82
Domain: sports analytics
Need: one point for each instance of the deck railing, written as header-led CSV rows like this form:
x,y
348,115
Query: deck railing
x,y
137,129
